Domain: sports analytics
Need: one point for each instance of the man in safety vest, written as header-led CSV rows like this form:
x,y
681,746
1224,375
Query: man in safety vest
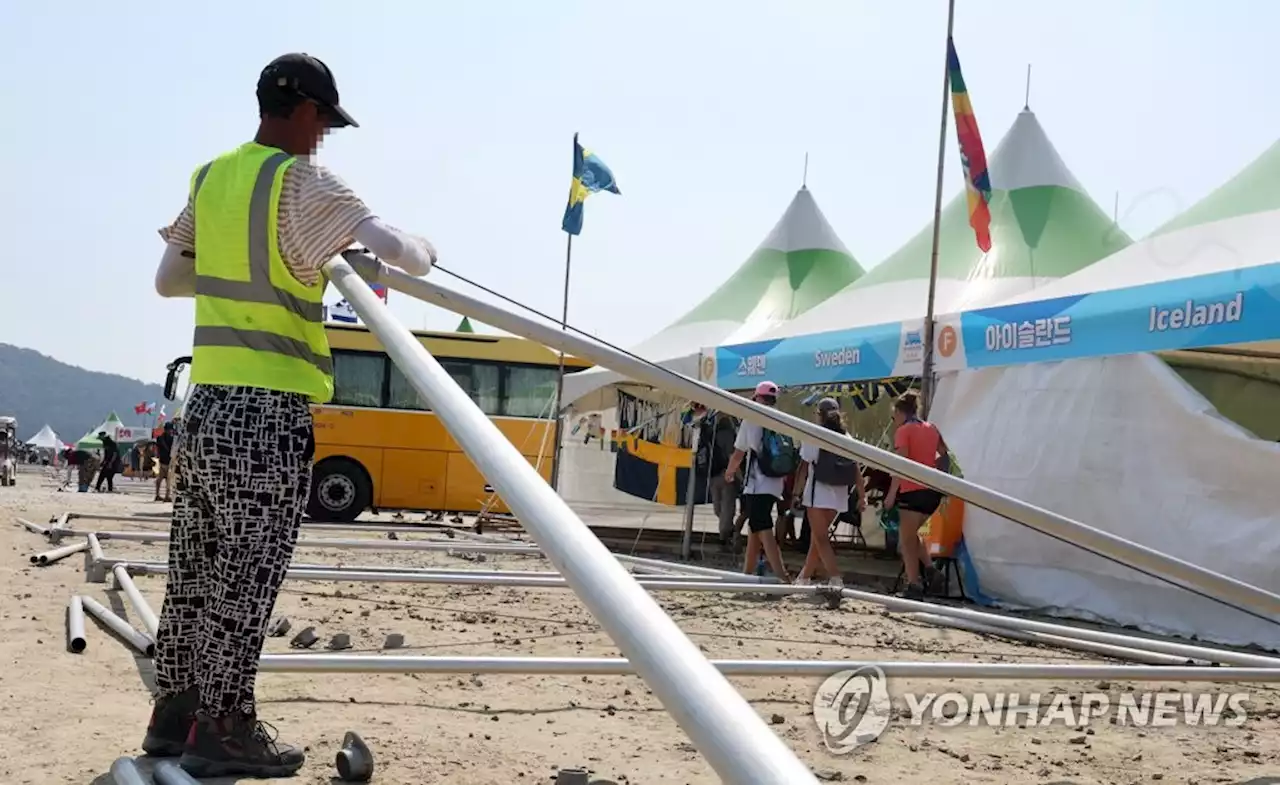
x,y
260,222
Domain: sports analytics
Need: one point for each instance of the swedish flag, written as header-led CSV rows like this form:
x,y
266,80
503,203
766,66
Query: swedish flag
x,y
589,176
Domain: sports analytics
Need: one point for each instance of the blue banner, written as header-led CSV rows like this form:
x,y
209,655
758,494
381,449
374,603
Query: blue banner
x,y
1235,306
847,355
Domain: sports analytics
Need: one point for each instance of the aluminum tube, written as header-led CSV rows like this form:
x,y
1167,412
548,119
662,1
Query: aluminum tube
x,y
58,554
1183,650
1220,587
168,772
358,663
355,526
139,603
160,568
474,578
119,626
728,732
95,549
691,569
343,543
1056,641
75,625
35,528
125,772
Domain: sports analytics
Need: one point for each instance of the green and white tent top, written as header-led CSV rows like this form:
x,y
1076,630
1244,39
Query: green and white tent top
x,y
112,427
1254,190
1043,226
798,266
1236,226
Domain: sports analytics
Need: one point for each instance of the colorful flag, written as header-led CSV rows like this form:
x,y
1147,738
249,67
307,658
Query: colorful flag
x,y
977,182
140,408
380,290
589,176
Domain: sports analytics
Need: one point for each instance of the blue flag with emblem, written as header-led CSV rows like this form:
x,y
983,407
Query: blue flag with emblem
x,y
589,176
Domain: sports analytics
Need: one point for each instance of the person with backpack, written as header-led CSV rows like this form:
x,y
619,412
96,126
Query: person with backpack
x,y
719,432
769,458
825,479
921,442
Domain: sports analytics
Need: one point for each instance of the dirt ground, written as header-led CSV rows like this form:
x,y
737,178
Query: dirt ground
x,y
69,716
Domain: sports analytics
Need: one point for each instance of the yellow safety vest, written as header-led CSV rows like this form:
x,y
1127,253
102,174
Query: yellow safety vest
x,y
256,324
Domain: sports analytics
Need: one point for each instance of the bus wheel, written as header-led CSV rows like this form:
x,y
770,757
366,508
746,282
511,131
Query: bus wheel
x,y
340,491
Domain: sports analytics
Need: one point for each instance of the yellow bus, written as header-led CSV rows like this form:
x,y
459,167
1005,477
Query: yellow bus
x,y
378,446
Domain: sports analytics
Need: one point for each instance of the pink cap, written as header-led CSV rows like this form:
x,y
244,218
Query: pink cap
x,y
767,388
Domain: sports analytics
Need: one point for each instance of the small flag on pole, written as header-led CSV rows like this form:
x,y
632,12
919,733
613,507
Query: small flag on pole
x,y
590,175
380,290
342,312
977,181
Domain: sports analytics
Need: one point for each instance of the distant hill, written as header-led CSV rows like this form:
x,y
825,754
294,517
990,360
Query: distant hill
x,y
38,389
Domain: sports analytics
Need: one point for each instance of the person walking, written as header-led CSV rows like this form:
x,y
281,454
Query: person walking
x,y
769,458
110,463
164,455
259,224
825,479
719,433
921,442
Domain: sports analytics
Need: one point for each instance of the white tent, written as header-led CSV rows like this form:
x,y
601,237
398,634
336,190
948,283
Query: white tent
x,y
1043,226
1124,444
46,439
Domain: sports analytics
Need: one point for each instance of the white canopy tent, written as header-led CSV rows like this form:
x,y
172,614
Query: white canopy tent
x,y
45,439
1125,444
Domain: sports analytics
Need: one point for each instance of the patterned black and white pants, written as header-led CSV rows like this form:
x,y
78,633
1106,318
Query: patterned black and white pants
x,y
244,471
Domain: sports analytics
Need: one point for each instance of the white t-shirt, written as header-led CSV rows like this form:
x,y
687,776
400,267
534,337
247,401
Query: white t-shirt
x,y
820,494
750,437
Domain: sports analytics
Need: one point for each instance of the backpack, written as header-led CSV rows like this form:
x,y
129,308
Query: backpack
x,y
832,469
778,456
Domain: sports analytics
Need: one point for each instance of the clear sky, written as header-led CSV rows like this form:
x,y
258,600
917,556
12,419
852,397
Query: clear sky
x,y
704,110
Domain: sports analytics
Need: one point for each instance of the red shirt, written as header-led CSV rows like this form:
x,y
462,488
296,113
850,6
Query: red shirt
x,y
918,441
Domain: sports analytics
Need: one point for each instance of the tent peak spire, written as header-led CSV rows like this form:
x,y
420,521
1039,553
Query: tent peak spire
x,y
1025,158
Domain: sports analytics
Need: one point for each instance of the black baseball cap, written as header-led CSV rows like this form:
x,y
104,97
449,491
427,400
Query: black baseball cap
x,y
304,75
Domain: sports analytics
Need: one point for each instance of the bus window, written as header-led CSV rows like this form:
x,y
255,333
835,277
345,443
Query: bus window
x,y
529,390
479,380
358,378
401,394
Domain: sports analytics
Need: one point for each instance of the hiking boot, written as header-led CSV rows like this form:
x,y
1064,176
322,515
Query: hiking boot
x,y
237,745
171,724
913,591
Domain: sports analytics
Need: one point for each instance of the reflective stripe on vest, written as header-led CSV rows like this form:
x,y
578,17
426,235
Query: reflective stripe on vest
x,y
261,341
258,289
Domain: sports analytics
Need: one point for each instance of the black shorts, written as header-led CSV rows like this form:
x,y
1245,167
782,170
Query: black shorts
x,y
759,508
924,501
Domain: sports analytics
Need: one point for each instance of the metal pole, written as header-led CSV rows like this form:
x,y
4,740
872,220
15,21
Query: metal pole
x,y
58,554
1206,582
119,626
160,568
523,581
926,378
1056,641
559,407
95,548
339,543
733,738
139,603
690,492
34,528
75,625
124,771
603,666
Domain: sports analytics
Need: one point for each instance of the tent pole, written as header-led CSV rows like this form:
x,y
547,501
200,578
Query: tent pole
x,y
559,403
926,377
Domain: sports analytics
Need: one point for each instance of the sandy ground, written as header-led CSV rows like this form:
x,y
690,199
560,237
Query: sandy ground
x,y
69,716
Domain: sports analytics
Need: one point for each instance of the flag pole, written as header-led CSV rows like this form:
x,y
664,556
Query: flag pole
x,y
564,325
926,379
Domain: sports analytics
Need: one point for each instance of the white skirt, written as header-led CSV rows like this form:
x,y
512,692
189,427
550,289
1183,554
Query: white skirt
x,y
819,495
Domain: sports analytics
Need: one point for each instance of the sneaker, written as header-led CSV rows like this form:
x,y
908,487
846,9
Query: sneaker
x,y
171,724
237,745
835,584
914,591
